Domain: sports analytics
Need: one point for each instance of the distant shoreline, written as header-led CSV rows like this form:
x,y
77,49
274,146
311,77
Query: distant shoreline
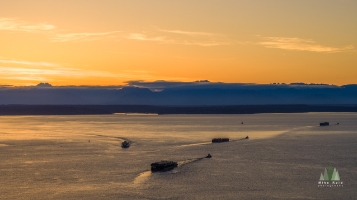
x,y
6,110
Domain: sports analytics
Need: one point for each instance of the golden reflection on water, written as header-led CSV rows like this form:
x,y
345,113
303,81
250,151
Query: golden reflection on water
x,y
62,156
144,176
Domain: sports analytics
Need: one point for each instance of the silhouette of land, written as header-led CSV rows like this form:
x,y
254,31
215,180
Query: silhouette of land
x,y
181,94
163,97
111,109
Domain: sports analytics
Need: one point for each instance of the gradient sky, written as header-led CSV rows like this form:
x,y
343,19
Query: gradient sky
x,y
109,42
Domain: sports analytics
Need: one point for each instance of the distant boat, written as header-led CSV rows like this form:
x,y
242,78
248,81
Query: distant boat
x,y
217,140
324,123
125,144
247,137
163,165
208,156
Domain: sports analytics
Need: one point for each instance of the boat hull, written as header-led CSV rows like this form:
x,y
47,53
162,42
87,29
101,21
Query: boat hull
x,y
163,166
324,123
218,140
125,144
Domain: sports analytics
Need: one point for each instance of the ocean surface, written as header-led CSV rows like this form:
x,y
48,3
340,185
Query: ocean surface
x,y
80,157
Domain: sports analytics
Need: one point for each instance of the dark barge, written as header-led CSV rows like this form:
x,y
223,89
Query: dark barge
x,y
324,123
163,165
218,140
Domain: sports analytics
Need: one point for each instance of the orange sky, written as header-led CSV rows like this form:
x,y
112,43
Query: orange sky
x,y
110,42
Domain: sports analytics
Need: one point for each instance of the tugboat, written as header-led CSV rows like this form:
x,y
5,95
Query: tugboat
x,y
125,144
217,140
163,165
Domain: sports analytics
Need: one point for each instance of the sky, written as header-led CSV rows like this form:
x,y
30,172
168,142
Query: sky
x,y
112,42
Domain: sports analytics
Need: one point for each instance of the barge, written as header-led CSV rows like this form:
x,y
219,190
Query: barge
x,y
324,123
163,165
218,140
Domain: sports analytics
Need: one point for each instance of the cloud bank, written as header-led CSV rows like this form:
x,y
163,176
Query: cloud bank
x,y
175,37
10,24
298,44
77,37
22,62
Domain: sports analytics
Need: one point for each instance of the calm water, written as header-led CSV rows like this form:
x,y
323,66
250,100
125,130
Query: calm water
x,y
79,157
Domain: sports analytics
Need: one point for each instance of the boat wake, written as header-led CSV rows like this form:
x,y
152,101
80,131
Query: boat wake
x,y
207,143
196,144
238,140
142,177
184,162
121,139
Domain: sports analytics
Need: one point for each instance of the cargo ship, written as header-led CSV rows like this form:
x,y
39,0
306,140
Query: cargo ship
x,y
163,165
217,140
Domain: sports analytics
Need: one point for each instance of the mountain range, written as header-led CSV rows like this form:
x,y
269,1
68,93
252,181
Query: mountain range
x,y
201,93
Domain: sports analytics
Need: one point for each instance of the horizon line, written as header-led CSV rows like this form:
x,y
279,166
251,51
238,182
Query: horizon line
x,y
127,84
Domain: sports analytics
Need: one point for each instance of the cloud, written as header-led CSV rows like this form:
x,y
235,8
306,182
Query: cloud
x,y
80,36
37,74
26,78
139,36
190,33
26,74
205,41
35,71
45,71
21,62
28,71
298,44
10,24
177,37
60,71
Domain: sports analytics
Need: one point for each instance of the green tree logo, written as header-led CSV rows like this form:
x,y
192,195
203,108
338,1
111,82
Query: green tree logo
x,y
330,174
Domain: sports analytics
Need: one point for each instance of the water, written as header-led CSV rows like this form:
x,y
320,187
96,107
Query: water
x,y
79,157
